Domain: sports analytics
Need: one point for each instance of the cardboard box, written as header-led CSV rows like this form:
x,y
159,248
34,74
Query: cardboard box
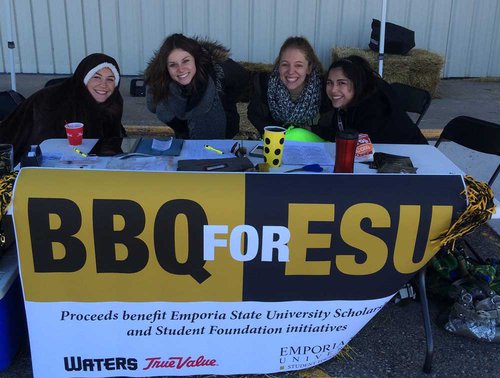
x,y
12,317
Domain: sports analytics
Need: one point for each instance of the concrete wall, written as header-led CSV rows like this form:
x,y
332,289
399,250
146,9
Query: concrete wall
x,y
52,36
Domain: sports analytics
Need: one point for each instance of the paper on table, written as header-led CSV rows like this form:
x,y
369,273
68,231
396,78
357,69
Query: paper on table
x,y
195,149
151,163
299,153
161,145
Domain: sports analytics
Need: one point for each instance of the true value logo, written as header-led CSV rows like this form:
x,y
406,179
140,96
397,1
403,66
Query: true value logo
x,y
178,362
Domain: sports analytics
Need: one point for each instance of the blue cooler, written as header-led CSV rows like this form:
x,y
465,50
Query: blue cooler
x,y
12,318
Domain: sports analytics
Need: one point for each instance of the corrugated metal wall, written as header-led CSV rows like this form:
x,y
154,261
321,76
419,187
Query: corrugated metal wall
x,y
52,36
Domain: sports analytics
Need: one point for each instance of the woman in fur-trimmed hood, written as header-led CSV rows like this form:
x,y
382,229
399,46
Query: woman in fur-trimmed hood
x,y
193,86
90,96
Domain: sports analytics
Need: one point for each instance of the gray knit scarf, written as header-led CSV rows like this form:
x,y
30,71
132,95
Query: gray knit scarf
x,y
301,111
207,120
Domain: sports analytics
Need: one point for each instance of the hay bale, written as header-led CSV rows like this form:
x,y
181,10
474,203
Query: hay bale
x,y
257,67
149,130
253,68
419,68
247,130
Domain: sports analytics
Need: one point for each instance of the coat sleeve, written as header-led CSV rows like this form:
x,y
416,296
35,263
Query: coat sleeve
x,y
149,100
404,129
384,120
236,79
325,128
17,128
161,109
258,108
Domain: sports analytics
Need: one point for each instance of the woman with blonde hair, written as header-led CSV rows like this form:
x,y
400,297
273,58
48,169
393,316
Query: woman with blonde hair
x,y
293,93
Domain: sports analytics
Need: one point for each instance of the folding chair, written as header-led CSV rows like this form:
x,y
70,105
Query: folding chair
x,y
413,100
55,81
480,136
476,134
9,100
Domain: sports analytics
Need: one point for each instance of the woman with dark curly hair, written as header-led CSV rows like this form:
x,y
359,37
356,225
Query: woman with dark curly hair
x,y
293,93
193,87
364,102
90,96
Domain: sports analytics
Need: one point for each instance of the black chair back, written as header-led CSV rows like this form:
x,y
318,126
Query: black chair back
x,y
9,100
413,100
476,134
54,81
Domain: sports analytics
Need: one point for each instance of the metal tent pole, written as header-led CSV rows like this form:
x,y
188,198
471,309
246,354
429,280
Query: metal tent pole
x,y
382,39
11,45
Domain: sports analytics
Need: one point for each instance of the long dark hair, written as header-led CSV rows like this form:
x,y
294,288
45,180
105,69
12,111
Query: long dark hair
x,y
362,75
157,76
302,44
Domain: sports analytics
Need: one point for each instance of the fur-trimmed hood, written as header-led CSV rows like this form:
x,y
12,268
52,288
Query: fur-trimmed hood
x,y
217,51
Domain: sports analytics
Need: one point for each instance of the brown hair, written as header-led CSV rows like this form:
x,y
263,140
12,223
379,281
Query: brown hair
x,y
156,75
302,44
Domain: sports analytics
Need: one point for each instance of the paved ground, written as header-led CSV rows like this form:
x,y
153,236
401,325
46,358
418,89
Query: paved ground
x,y
393,343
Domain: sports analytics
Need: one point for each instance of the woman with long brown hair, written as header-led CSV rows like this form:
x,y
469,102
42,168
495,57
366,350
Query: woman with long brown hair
x,y
193,86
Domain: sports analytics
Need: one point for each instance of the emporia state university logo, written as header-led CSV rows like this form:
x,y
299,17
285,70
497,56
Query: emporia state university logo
x,y
303,356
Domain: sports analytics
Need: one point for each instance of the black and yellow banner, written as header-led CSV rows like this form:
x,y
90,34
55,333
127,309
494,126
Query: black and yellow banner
x,y
91,236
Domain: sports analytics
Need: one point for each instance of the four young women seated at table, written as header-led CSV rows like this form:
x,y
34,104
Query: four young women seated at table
x,y
193,86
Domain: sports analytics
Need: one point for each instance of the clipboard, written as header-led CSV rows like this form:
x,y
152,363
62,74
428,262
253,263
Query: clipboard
x,y
160,146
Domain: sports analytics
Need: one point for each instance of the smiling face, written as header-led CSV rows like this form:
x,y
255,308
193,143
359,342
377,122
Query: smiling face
x,y
339,88
293,69
181,66
102,84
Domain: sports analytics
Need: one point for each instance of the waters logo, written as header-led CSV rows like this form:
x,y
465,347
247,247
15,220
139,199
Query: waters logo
x,y
78,363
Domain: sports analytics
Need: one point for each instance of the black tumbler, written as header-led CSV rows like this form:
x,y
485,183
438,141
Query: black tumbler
x,y
345,149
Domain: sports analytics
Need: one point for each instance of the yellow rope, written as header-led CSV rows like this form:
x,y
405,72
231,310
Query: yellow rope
x,y
6,185
478,211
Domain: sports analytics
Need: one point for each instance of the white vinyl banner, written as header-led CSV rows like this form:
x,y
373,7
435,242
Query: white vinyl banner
x,y
147,274
141,339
